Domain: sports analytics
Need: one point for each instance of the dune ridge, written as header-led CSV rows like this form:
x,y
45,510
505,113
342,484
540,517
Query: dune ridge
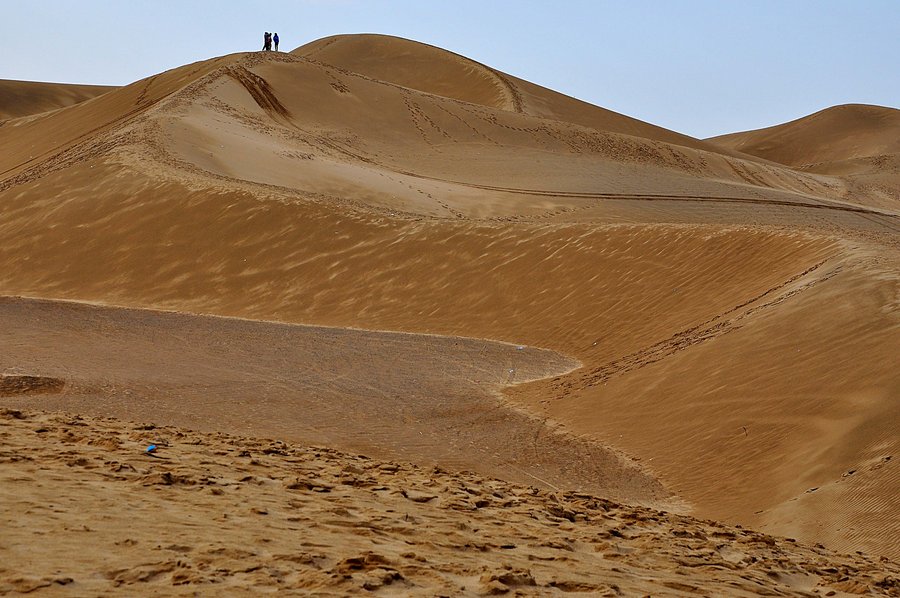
x,y
436,71
435,130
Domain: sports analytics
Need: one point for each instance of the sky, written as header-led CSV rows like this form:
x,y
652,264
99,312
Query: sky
x,y
700,67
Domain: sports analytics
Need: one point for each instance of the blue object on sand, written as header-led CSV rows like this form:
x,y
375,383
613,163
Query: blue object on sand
x,y
151,448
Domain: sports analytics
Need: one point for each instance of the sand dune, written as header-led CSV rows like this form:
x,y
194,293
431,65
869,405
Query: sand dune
x,y
835,134
436,71
24,98
730,319
859,143
309,128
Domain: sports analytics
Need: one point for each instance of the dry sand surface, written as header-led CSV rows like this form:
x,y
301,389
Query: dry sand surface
x,y
25,98
429,398
832,135
385,248
860,143
238,515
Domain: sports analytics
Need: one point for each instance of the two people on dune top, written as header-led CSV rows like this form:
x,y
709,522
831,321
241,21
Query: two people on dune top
x,y
268,40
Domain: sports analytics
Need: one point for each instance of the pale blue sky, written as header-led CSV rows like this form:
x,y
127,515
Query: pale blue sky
x,y
701,67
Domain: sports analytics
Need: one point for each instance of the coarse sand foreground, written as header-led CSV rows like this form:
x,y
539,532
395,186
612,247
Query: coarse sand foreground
x,y
92,513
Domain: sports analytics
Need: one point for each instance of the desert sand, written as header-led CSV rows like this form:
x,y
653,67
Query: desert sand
x,y
387,249
27,98
241,516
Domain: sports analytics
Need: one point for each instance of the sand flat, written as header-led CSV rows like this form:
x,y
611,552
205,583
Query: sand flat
x,y
426,398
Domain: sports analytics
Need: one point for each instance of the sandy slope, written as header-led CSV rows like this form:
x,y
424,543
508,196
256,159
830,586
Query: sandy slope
x,y
91,514
858,142
832,135
442,73
734,317
24,98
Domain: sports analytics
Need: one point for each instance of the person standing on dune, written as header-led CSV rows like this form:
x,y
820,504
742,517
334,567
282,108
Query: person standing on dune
x,y
275,40
267,41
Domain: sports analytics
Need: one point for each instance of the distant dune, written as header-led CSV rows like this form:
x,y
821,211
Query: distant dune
x,y
24,98
836,134
489,275
857,142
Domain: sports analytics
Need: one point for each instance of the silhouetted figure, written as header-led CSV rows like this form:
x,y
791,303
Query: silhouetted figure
x,y
267,41
275,41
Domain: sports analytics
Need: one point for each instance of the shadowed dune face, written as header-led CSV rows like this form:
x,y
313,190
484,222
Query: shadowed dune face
x,y
704,292
25,98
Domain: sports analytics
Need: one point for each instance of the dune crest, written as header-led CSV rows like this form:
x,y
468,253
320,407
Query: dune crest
x,y
437,71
